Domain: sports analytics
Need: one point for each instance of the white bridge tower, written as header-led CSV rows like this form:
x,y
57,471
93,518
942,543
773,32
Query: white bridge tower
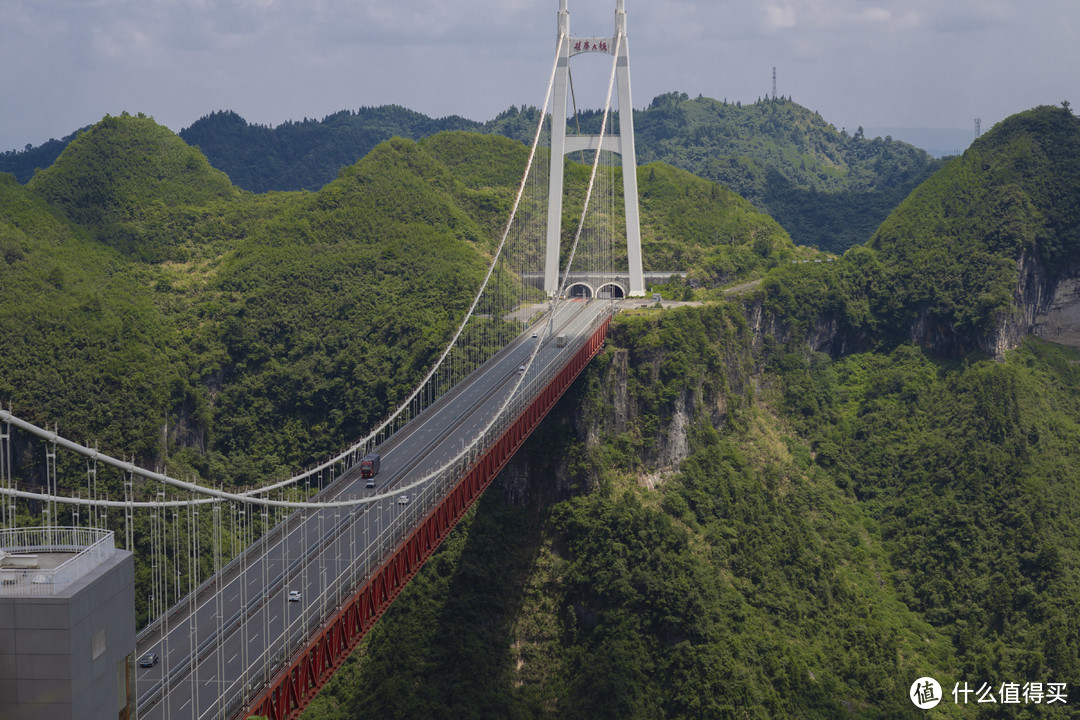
x,y
621,144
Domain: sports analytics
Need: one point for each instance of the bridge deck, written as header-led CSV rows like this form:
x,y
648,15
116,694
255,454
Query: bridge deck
x,y
327,554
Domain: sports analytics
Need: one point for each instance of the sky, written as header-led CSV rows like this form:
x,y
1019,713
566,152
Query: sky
x,y
65,64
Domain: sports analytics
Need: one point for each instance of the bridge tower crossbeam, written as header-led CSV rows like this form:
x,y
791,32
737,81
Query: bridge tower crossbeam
x,y
621,144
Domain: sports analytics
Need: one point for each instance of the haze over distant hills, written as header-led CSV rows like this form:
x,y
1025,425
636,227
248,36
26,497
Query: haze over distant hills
x,y
939,142
829,188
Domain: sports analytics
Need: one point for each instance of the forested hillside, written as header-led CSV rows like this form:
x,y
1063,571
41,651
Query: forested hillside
x,y
969,259
232,319
24,163
788,503
295,155
235,320
827,188
705,531
152,306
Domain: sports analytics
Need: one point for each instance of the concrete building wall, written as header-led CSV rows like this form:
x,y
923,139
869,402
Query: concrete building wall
x,y
70,655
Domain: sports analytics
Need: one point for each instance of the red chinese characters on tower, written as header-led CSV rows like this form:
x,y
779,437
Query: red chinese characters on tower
x,y
590,45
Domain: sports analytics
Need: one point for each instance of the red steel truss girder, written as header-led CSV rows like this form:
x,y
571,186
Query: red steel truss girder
x,y
294,687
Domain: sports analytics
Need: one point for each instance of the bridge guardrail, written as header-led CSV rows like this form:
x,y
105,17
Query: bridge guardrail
x,y
91,547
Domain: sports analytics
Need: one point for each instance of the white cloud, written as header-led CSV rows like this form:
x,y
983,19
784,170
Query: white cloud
x,y
827,15
877,15
780,17
67,62
124,40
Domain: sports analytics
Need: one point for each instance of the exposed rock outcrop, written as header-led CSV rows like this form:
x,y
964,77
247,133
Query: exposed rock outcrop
x,y
1059,318
1045,305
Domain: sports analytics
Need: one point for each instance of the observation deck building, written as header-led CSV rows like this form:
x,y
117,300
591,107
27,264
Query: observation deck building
x,y
67,625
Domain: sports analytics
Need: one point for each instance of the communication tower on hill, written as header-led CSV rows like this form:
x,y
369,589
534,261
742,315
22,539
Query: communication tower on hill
x,y
773,82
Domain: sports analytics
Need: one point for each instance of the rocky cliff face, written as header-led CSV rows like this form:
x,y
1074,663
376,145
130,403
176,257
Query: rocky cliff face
x,y
1057,316
612,403
632,398
826,334
1045,303
670,444
1030,297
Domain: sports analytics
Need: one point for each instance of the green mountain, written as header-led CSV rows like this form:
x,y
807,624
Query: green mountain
x,y
827,188
789,503
151,306
24,163
706,531
986,239
224,320
309,153
723,521
278,304
305,154
972,260
116,179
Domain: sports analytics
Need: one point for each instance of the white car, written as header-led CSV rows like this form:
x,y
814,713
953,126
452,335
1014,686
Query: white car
x,y
294,596
403,500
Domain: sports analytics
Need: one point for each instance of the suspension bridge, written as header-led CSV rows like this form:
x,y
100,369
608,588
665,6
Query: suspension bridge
x,y
255,597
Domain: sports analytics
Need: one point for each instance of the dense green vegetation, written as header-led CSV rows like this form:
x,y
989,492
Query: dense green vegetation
x,y
717,521
701,227
944,269
687,223
295,155
80,332
827,188
850,526
309,153
250,313
832,528
956,241
117,180
153,307
24,163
